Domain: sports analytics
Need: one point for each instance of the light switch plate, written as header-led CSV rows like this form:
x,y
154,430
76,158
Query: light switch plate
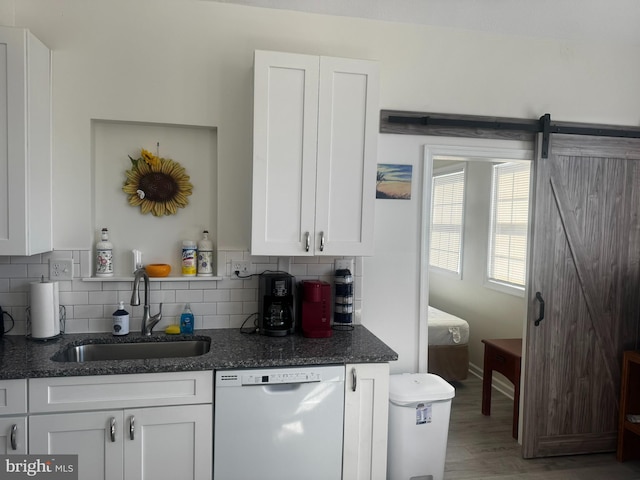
x,y
60,269
344,263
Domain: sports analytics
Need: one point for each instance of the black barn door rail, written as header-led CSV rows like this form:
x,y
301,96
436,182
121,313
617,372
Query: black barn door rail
x,y
543,125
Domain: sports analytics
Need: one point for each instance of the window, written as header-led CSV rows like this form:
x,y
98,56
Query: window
x,y
447,212
509,224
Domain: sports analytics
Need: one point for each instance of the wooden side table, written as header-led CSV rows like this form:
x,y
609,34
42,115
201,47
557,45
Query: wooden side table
x,y
505,356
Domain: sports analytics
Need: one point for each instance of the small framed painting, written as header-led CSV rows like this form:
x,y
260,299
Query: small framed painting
x,y
393,182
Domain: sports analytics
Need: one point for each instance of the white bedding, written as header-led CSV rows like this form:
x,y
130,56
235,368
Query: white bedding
x,y
446,329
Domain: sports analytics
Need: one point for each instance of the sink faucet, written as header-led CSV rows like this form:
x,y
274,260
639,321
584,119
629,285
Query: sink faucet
x,y
148,322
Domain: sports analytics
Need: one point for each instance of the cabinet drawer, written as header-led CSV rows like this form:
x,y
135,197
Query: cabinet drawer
x,y
62,394
13,397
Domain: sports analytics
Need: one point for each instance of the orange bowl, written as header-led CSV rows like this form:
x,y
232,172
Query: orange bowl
x,y
158,269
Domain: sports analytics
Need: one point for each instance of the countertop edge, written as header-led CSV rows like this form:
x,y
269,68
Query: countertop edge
x,y
21,358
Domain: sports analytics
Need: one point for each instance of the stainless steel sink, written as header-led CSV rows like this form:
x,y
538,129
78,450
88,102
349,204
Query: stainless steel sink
x,y
132,350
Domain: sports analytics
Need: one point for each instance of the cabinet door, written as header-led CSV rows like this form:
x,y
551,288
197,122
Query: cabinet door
x,y
25,133
167,443
347,146
284,153
13,435
88,435
366,415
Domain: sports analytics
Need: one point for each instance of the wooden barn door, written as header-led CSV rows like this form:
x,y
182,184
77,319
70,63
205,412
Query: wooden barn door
x,y
586,268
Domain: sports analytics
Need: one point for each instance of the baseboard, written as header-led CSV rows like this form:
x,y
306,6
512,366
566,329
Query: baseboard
x,y
506,388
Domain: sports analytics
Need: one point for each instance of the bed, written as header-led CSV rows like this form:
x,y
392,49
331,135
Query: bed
x,y
448,345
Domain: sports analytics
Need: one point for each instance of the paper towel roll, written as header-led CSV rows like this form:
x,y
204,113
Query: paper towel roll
x,y
45,310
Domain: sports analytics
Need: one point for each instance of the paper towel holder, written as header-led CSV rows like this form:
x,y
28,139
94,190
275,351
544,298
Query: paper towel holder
x,y
63,320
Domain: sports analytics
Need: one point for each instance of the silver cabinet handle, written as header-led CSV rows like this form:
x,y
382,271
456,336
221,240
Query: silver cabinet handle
x,y
307,242
112,429
322,241
14,441
354,379
132,427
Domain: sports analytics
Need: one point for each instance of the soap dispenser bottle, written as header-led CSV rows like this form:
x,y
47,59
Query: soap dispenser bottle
x,y
120,321
104,255
205,256
186,321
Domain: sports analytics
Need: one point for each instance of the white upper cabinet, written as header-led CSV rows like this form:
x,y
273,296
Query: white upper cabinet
x,y
25,130
314,155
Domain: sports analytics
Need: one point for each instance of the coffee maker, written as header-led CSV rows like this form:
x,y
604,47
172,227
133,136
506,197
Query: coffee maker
x,y
276,304
316,309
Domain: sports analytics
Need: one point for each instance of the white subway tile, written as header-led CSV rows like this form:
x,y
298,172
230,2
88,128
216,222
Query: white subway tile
x,y
100,325
118,286
172,285
249,307
204,284
38,271
244,295
14,270
204,308
188,296
237,321
77,325
229,308
74,298
80,286
230,284
298,269
4,285
88,311
216,295
33,259
18,299
215,321
104,298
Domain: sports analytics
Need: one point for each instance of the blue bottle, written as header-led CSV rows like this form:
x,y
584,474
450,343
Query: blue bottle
x,y
186,321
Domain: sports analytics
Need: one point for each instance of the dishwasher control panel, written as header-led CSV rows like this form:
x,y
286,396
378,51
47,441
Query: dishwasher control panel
x,y
280,377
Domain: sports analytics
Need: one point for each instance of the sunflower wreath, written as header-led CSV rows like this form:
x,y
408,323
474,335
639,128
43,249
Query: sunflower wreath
x,y
160,186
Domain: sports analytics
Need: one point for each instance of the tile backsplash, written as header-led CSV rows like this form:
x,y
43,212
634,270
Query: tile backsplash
x,y
224,303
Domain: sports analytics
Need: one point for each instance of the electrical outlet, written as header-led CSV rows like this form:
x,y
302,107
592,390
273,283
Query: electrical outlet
x,y
60,269
239,266
344,264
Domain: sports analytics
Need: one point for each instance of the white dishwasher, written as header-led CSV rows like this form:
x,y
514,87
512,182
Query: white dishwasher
x,y
279,423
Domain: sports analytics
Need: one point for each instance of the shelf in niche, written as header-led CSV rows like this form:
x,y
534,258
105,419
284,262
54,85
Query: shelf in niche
x,y
153,279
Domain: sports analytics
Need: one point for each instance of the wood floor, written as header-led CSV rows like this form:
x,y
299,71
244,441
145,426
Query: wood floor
x,y
482,448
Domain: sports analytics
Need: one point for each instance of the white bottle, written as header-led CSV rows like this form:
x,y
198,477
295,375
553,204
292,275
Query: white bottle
x,y
205,256
104,256
120,321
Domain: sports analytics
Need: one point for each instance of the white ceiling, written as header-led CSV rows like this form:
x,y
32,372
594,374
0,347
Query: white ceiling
x,y
584,20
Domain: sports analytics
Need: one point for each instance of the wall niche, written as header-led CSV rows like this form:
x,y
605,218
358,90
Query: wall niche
x,y
159,238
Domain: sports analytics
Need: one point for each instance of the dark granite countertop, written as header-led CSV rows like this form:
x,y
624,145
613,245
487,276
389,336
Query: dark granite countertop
x,y
23,358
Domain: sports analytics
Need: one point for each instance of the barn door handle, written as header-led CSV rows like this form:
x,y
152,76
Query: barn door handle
x,y
541,317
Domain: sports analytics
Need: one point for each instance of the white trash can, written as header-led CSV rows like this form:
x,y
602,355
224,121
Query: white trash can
x,y
419,410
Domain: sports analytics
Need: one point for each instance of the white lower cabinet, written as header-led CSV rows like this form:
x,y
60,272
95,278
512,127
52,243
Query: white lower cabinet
x,y
145,443
366,415
13,435
13,417
142,442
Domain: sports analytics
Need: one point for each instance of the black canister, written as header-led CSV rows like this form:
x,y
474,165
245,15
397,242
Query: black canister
x,y
343,300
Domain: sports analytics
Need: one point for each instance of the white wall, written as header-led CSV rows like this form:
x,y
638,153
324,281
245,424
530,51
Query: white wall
x,y
189,62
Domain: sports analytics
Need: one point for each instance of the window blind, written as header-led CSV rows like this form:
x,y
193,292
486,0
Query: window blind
x,y
509,223
447,212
